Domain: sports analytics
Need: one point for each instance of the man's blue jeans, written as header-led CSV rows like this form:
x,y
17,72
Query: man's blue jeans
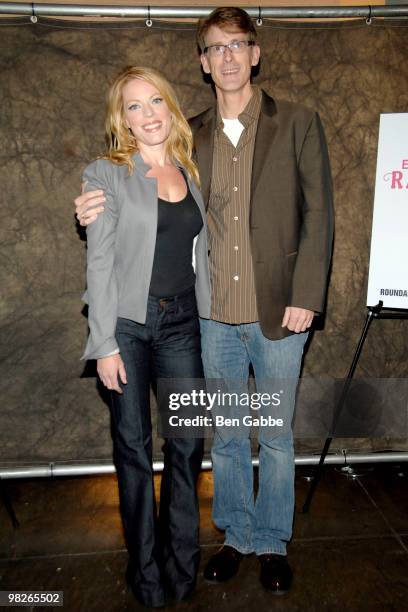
x,y
264,525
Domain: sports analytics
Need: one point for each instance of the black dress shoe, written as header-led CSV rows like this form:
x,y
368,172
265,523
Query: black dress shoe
x,y
276,575
223,565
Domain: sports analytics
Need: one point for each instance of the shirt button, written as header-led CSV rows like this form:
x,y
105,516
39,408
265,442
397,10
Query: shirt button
x,y
236,247
235,188
236,277
235,218
234,159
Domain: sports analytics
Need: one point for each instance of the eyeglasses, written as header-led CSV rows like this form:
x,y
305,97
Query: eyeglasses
x,y
237,46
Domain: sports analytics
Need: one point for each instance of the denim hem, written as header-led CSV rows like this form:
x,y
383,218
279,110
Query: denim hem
x,y
243,551
270,551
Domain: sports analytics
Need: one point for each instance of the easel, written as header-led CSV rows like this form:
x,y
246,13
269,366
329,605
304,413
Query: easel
x,y
374,312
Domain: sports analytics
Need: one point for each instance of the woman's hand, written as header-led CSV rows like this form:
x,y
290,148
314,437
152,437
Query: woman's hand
x,y
108,370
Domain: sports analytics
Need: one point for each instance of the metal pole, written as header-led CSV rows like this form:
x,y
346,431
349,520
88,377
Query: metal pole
x,y
49,470
195,12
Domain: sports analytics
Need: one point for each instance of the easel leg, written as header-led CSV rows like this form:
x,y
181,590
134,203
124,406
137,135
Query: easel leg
x,y
338,410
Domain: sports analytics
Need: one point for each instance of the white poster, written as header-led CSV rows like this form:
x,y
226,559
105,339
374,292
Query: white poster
x,y
388,275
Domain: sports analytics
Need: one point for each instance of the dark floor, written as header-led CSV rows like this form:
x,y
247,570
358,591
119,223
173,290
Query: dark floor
x,y
349,553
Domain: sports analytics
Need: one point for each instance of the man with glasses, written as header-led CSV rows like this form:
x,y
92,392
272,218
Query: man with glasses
x,y
265,178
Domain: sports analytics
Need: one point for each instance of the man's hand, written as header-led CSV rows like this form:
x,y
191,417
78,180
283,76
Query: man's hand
x,y
108,370
89,205
297,319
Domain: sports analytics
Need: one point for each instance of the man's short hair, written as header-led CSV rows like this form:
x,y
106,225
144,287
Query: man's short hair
x,y
225,18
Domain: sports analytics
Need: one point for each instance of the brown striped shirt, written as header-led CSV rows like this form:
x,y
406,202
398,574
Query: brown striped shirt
x,y
231,271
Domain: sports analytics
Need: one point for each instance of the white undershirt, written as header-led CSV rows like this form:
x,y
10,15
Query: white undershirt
x,y
233,128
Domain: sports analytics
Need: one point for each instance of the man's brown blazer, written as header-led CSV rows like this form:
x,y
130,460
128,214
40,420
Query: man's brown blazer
x,y
291,213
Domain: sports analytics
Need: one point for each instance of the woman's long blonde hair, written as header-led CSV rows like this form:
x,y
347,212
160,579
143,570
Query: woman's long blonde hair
x,y
122,145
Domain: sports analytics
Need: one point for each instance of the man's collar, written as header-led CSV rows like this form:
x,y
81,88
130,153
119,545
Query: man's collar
x,y
268,107
250,112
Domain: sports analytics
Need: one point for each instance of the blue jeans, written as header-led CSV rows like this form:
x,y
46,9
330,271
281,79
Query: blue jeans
x,y
164,551
264,525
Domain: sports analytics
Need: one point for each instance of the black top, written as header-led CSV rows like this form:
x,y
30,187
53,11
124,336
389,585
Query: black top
x,y
177,225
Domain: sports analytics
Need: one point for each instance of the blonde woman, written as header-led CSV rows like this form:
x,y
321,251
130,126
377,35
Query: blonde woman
x,y
144,297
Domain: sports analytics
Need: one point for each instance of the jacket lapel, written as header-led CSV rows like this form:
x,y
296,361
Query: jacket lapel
x,y
265,135
204,143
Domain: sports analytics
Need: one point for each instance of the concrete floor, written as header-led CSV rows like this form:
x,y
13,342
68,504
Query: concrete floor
x,y
349,553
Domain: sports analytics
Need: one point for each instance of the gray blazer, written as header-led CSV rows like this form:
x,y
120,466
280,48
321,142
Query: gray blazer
x,y
121,245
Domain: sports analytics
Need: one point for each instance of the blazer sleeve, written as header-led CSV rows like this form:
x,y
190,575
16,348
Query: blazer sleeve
x,y
316,233
102,289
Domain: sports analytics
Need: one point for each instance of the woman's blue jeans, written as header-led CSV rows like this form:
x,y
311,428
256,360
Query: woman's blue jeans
x,y
163,552
264,525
